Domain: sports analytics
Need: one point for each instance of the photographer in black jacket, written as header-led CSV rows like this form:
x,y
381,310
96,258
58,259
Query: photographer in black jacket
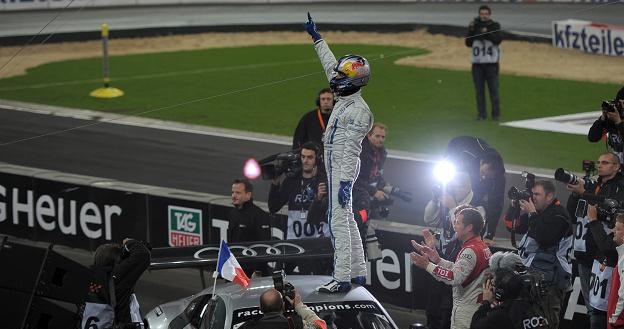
x,y
484,38
546,244
272,306
299,191
111,300
595,260
611,124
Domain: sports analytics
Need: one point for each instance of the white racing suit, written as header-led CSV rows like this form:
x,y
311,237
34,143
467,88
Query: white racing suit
x,y
466,275
350,121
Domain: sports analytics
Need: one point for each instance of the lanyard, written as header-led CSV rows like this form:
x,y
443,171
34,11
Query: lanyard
x,y
320,118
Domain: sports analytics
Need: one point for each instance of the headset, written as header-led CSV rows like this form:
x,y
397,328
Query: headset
x,y
324,91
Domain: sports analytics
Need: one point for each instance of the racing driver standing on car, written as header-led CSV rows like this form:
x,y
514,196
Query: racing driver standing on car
x,y
350,121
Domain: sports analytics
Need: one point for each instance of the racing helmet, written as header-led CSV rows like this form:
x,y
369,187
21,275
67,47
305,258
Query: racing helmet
x,y
351,73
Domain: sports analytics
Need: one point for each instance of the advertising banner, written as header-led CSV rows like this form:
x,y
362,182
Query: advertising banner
x,y
589,37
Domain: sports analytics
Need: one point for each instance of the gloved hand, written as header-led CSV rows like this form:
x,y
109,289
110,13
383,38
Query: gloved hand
x,y
311,28
344,193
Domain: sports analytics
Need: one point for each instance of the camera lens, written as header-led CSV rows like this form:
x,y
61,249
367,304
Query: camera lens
x,y
565,176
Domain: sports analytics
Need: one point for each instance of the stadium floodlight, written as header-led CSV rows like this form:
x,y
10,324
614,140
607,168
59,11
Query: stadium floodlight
x,y
444,171
251,170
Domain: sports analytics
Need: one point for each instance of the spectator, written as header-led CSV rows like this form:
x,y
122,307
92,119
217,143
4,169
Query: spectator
x,y
111,299
594,256
247,222
616,296
487,173
484,38
299,192
312,125
272,308
466,274
609,124
546,243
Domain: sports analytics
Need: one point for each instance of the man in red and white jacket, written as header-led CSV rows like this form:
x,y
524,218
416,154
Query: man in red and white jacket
x,y
615,306
466,275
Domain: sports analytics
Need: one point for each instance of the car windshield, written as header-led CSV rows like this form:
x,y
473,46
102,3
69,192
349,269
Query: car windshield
x,y
337,315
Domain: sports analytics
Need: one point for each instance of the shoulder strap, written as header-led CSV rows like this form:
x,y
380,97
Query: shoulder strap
x,y
111,292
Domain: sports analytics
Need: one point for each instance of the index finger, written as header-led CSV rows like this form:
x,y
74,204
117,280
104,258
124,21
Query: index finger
x,y
417,246
309,17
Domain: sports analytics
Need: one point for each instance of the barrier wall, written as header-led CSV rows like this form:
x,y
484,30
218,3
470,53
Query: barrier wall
x,y
589,37
84,212
56,4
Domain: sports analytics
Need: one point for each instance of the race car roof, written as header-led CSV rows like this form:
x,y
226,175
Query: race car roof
x,y
238,297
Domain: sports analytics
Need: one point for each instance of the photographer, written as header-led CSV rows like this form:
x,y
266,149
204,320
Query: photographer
x,y
610,123
299,191
544,248
111,300
589,251
272,306
485,166
505,302
484,38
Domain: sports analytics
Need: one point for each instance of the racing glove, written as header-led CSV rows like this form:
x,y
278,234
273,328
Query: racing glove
x,y
310,26
344,193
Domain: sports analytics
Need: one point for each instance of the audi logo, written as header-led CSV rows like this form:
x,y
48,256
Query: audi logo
x,y
280,248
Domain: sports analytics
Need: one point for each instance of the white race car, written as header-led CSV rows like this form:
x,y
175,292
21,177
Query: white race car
x,y
234,305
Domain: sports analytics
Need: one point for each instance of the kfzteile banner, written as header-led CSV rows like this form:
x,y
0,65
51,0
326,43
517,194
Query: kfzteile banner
x,y
593,38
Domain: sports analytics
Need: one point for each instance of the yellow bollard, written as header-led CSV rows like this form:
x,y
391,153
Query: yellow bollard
x,y
106,91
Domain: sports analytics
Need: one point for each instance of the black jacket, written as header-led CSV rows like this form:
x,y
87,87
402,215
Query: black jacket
x,y
614,189
372,163
274,321
310,129
547,227
493,32
466,152
297,192
510,314
248,223
614,133
135,260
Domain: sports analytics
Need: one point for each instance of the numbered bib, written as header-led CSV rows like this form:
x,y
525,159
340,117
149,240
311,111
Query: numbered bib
x,y
580,234
484,52
300,228
599,286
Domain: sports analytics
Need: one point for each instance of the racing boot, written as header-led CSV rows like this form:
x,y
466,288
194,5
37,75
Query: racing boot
x,y
361,280
334,286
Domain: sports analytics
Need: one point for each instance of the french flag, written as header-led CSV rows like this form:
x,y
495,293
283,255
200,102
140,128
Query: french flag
x,y
228,267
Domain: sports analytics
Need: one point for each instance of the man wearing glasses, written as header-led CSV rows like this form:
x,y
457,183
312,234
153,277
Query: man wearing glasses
x,y
591,255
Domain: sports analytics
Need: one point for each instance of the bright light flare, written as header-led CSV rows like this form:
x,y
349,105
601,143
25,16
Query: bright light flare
x,y
251,170
444,171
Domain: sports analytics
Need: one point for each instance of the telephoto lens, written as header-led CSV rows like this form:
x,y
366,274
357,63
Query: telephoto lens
x,y
565,176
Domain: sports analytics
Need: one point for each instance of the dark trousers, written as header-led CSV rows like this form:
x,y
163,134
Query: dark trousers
x,y
439,304
482,73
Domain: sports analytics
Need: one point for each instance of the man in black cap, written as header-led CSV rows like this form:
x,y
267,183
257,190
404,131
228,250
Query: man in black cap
x,y
610,123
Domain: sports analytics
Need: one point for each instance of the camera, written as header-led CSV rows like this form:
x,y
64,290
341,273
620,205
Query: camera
x,y
517,194
607,208
566,176
395,191
610,106
275,165
285,288
383,207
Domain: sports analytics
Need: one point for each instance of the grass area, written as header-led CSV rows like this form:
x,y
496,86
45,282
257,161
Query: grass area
x,y
268,88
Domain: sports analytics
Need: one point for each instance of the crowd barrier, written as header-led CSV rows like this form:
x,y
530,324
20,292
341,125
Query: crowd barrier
x,y
58,4
84,212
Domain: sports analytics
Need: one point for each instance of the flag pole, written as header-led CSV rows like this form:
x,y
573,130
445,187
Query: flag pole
x,y
215,273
